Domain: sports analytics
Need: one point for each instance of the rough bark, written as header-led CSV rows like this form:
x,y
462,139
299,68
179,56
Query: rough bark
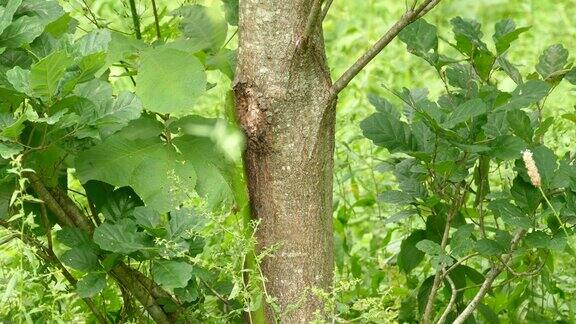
x,y
283,104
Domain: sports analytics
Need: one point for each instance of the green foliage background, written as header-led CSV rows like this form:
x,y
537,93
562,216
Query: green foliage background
x,y
369,285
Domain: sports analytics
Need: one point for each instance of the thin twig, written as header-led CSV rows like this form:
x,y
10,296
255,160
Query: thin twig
x,y
407,18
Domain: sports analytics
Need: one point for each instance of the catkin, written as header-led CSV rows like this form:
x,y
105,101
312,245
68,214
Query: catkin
x,y
531,167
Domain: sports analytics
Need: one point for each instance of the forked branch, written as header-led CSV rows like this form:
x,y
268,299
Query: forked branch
x,y
407,18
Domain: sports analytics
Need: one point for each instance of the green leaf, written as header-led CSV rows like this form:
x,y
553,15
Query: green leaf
x,y
461,243
146,217
81,259
231,9
525,195
119,204
489,247
75,238
461,76
189,293
510,70
91,284
527,94
546,162
466,111
510,214
468,35
552,61
410,256
203,25
388,131
520,124
7,13
420,38
46,74
171,274
184,220
47,10
507,147
19,78
395,197
505,33
168,71
538,240
7,150
22,31
93,42
121,237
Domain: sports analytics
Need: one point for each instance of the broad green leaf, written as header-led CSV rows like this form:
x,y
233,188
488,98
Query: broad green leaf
x,y
546,162
525,195
552,61
395,197
420,38
466,111
387,131
81,259
231,9
171,274
169,80
461,76
7,13
184,220
7,150
489,247
19,78
22,31
146,217
520,124
119,204
62,25
424,292
510,70
75,238
11,128
537,239
121,237
47,10
224,61
410,256
510,214
571,76
46,74
383,106
122,47
189,293
527,94
203,25
468,35
505,33
460,242
91,284
107,115
93,42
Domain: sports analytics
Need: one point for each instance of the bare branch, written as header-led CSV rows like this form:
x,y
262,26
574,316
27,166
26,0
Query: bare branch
x,y
407,18
451,303
496,270
311,23
325,10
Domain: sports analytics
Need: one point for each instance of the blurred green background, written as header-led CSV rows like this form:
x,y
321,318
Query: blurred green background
x,y
368,285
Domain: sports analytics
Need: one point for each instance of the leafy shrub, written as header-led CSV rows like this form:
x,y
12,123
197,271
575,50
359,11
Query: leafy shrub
x,y
496,203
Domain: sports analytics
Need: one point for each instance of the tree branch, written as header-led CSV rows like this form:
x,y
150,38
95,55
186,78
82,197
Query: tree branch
x,y
496,270
407,18
325,10
452,301
311,23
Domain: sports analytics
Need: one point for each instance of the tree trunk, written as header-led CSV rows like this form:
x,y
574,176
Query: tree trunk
x,y
283,105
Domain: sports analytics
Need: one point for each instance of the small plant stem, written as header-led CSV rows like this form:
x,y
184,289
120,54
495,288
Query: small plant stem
x,y
135,19
555,214
156,20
